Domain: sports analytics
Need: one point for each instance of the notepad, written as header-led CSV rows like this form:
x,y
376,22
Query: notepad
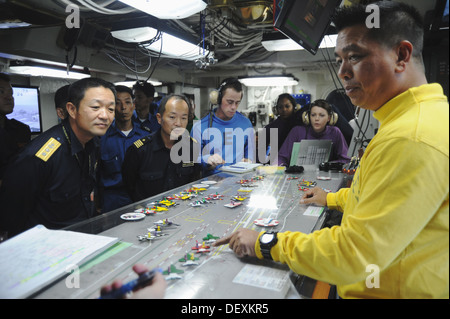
x,y
241,167
39,256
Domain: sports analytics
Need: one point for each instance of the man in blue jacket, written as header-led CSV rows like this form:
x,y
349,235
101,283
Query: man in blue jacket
x,y
226,136
113,146
146,109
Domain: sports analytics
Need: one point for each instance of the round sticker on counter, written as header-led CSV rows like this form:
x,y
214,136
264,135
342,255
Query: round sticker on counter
x,y
200,186
132,216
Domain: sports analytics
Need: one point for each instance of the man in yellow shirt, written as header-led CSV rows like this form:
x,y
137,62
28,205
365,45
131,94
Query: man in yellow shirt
x,y
396,213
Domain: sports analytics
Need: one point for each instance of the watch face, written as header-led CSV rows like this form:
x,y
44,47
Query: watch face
x,y
266,238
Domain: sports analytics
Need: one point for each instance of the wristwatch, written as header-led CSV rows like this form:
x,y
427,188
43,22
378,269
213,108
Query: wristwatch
x,y
266,242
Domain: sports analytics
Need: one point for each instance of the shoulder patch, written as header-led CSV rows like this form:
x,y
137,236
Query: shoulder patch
x,y
140,142
48,149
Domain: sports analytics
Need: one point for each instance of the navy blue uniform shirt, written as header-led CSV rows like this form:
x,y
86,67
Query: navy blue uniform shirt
x,y
51,182
148,169
113,146
151,123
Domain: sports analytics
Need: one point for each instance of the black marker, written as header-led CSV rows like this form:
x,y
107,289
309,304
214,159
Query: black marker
x,y
135,284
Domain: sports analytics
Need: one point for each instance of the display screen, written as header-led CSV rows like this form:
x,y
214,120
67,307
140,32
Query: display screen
x,y
306,21
27,108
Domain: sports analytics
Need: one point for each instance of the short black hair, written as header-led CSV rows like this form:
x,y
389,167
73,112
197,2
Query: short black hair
x,y
288,96
126,89
145,87
398,22
233,83
229,83
62,97
162,105
78,89
5,77
191,99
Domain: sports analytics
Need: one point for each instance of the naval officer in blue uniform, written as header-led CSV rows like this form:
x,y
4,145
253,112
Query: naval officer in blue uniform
x,y
165,159
53,180
146,109
113,145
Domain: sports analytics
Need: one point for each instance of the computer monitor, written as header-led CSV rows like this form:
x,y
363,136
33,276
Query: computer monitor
x,y
306,22
27,107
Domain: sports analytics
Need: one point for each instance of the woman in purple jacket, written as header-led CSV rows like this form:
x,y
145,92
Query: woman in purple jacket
x,y
319,122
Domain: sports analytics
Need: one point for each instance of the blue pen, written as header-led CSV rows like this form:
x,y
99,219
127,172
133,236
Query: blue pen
x,y
240,167
135,284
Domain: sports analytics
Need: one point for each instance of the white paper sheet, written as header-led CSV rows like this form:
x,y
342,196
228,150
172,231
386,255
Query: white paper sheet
x,y
39,256
314,211
263,277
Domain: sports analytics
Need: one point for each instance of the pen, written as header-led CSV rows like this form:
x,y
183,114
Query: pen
x,y
135,284
240,167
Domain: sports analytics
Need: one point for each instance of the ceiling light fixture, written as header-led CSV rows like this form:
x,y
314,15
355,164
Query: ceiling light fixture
x,y
168,9
286,44
271,80
171,45
47,71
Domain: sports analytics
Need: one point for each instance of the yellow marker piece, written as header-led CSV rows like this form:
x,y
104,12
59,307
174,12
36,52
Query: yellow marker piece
x,y
48,149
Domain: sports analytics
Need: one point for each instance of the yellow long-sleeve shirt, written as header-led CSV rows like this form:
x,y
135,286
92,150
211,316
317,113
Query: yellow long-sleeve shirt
x,y
396,212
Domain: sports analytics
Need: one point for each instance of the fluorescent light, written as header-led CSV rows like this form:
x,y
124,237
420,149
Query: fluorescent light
x,y
168,9
135,35
329,41
269,81
46,71
171,45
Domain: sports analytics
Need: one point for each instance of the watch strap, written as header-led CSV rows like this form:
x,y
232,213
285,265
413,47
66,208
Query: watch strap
x,y
265,248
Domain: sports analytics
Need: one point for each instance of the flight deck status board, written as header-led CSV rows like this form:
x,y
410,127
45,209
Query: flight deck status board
x,y
174,231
